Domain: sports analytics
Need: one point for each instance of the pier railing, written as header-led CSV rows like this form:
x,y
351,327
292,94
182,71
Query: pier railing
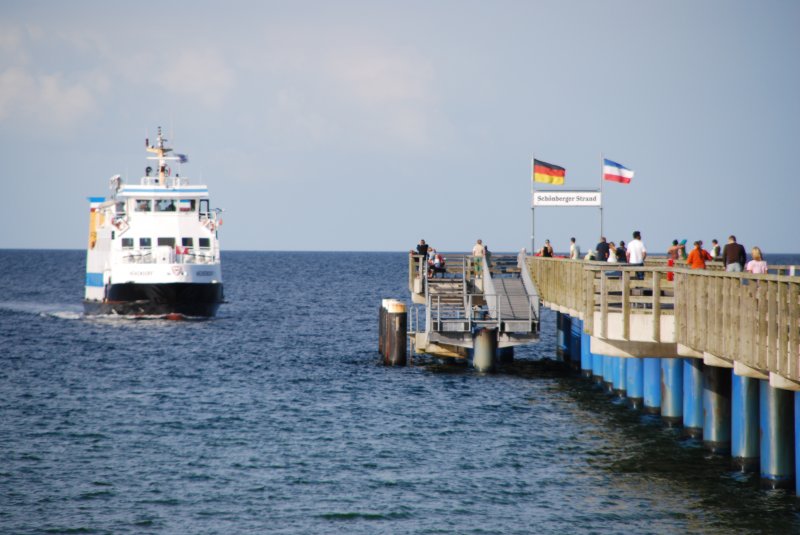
x,y
739,317
752,319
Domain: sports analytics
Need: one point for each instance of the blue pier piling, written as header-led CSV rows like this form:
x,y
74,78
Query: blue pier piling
x,y
576,356
562,336
620,378
634,382
672,392
609,366
598,363
777,437
586,355
717,409
693,398
652,385
797,443
505,355
745,423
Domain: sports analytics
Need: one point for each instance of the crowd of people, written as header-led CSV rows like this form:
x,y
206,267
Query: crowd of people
x,y
435,263
733,255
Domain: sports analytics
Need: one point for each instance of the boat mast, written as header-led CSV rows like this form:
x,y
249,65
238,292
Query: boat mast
x,y
160,150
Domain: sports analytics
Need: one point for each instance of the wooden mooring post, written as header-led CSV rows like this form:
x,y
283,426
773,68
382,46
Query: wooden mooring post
x,y
393,332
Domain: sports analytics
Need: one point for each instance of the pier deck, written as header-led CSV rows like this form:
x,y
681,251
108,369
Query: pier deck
x,y
470,295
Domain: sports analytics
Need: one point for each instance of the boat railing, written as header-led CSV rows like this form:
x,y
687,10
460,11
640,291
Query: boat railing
x,y
170,182
146,256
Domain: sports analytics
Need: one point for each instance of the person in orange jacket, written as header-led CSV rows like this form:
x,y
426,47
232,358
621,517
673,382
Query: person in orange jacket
x,y
698,257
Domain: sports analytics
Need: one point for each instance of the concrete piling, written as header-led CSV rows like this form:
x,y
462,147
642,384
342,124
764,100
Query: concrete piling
x,y
586,355
652,385
576,341
717,409
745,441
621,378
797,443
777,436
609,365
672,392
484,349
693,397
634,382
597,368
505,355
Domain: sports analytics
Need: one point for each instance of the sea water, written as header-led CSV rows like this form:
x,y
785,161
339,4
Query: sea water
x,y
276,417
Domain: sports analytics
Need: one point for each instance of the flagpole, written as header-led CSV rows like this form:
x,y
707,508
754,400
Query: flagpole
x,y
533,218
602,197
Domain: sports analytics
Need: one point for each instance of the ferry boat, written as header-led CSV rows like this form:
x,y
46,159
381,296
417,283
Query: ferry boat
x,y
154,247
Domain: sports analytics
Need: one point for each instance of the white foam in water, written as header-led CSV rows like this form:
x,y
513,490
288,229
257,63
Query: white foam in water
x,y
57,310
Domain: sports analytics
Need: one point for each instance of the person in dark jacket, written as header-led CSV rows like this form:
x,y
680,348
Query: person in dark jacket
x,y
622,255
734,255
602,250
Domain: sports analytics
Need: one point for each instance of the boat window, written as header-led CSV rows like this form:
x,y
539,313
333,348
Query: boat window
x,y
204,208
204,243
145,243
165,205
166,241
120,208
127,243
142,205
187,242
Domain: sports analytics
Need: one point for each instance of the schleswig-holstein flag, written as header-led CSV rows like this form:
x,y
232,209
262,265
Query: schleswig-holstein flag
x,y
616,172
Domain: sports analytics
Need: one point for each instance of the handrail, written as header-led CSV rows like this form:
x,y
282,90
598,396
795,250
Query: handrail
x,y
742,317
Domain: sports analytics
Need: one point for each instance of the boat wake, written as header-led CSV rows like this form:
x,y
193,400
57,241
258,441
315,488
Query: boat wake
x,y
64,311
55,310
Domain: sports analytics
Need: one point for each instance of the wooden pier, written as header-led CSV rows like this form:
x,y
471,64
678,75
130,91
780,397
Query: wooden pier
x,y
714,352
726,319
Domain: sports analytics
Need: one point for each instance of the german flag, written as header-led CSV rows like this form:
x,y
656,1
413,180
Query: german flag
x,y
548,173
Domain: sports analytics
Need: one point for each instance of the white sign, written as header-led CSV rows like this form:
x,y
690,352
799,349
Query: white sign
x,y
566,198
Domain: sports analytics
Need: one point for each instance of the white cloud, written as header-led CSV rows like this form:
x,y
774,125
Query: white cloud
x,y
48,98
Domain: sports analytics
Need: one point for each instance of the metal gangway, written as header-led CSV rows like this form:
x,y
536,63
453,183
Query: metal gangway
x,y
467,295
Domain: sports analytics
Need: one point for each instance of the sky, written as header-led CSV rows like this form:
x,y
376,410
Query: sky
x,y
365,126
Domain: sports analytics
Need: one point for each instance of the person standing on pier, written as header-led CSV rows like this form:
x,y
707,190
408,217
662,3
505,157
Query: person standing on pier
x,y
477,255
547,250
602,250
612,253
698,256
622,253
422,251
714,249
733,255
574,250
674,252
757,265
637,252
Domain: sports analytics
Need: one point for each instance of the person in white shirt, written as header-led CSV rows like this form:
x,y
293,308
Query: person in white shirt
x,y
637,252
574,250
612,253
478,249
478,252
